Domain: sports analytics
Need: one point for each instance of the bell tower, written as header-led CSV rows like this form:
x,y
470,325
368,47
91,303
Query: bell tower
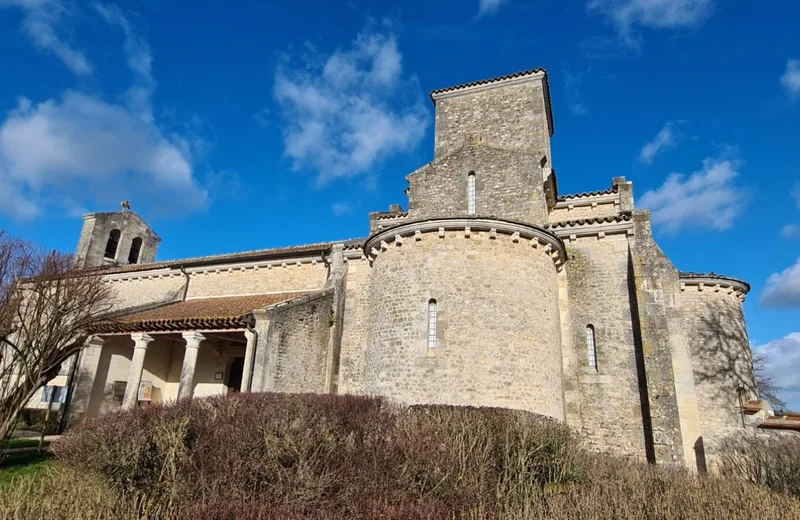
x,y
116,239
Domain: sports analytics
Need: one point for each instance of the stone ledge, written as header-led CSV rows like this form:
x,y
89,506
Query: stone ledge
x,y
518,231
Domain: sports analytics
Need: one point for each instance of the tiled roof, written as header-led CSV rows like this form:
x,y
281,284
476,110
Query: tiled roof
x,y
257,254
204,313
486,81
622,217
609,191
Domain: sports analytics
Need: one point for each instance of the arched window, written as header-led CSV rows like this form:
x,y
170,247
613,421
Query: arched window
x,y
591,347
113,242
432,323
471,193
136,247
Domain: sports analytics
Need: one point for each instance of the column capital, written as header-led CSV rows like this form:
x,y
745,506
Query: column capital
x,y
141,339
95,341
193,339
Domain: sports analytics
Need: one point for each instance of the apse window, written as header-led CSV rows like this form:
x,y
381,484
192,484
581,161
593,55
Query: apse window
x,y
113,242
591,348
471,193
432,311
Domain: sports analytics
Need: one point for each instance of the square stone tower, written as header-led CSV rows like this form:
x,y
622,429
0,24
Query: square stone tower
x,y
492,152
116,238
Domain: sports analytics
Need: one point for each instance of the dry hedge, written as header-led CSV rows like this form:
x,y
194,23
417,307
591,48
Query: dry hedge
x,y
289,457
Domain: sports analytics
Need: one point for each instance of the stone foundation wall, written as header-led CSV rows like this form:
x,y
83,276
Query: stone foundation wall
x,y
498,330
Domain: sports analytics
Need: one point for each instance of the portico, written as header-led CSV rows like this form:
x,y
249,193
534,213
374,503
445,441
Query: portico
x,y
173,352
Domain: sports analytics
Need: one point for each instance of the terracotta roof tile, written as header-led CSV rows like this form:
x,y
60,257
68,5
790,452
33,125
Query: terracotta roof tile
x,y
622,217
204,313
486,81
609,191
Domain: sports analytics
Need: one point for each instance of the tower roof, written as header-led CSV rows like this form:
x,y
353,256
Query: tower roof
x,y
498,81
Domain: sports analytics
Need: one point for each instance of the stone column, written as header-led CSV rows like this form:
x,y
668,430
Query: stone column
x,y
140,342
84,380
185,389
248,359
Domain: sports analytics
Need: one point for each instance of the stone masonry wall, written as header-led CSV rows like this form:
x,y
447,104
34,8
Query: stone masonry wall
x,y
498,331
721,359
94,238
584,212
511,116
356,317
273,279
508,185
604,405
297,345
135,292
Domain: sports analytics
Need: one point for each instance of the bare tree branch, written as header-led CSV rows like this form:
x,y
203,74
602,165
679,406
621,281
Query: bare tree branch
x,y
47,312
767,388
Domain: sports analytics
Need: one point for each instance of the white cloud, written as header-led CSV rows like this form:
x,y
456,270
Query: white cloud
x,y
782,362
78,138
791,78
65,150
791,231
489,6
341,208
39,20
346,112
629,15
783,289
707,198
664,140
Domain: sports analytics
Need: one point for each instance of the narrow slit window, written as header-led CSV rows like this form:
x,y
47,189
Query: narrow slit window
x,y
471,193
591,347
113,242
136,247
432,323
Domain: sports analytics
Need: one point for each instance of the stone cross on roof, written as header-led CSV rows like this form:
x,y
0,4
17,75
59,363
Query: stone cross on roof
x,y
125,206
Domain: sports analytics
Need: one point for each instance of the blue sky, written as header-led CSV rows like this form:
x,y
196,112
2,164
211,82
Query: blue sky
x,y
242,125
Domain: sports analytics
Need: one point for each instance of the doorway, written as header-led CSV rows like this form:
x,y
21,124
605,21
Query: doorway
x,y
235,372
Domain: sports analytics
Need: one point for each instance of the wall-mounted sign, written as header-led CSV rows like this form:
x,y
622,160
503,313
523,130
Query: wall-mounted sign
x,y
146,391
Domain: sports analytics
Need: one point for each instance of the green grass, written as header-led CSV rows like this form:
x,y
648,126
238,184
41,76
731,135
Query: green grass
x,y
23,463
24,443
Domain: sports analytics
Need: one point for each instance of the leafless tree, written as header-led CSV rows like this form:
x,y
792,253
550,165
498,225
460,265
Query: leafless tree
x,y
47,310
767,388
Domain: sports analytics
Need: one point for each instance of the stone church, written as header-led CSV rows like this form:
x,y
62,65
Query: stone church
x,y
492,289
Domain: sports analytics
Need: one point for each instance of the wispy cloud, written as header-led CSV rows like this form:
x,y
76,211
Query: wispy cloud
x,y
573,87
791,78
666,139
790,231
796,194
707,198
39,21
63,150
488,7
341,208
138,58
345,112
782,362
783,289
629,16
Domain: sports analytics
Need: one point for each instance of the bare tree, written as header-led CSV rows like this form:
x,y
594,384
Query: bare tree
x,y
47,310
767,388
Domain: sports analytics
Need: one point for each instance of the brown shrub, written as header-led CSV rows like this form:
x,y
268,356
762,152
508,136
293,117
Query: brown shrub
x,y
772,461
291,457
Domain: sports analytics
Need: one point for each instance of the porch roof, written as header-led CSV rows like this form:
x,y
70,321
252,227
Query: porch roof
x,y
229,312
